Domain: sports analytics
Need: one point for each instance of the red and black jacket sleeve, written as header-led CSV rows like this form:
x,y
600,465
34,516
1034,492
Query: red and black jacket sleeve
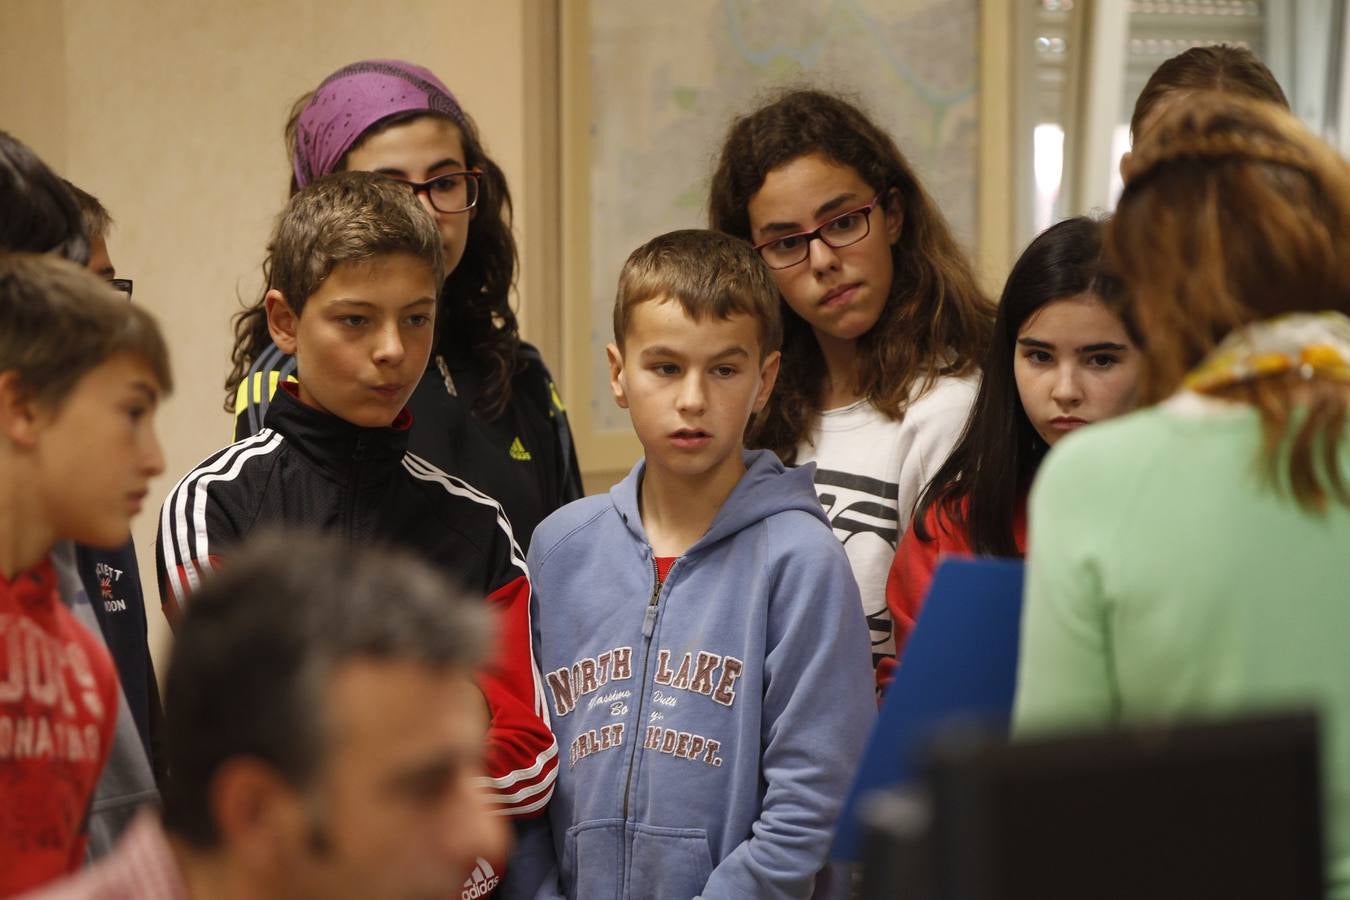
x,y
522,752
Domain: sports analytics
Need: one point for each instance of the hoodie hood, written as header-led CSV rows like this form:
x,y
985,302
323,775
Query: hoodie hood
x,y
767,488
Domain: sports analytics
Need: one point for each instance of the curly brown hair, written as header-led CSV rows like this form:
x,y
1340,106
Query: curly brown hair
x,y
475,314
936,320
1233,213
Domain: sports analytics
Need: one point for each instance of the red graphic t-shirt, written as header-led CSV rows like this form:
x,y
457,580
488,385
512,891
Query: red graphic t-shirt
x,y
58,704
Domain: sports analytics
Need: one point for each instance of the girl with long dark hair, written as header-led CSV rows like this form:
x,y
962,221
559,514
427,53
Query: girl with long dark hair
x,y
1060,359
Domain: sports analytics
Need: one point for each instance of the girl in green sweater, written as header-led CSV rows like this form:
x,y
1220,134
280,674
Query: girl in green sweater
x,y
1192,559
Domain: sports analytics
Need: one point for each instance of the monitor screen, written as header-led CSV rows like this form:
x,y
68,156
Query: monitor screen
x,y
1223,809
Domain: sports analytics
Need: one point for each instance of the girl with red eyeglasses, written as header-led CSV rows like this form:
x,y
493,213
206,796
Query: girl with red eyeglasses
x,y
883,318
486,410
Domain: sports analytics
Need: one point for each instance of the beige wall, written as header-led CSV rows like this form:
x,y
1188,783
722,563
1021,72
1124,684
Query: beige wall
x,y
170,111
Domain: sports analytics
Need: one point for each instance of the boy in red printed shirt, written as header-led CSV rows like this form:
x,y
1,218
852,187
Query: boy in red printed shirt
x,y
81,374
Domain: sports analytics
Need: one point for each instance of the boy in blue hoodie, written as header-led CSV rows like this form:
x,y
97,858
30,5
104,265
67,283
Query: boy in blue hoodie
x,y
698,628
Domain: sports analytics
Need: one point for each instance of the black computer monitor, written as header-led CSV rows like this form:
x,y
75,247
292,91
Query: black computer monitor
x,y
1222,809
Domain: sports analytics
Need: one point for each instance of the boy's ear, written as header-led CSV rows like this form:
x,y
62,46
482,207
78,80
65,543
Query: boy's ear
x,y
282,322
768,376
258,815
616,378
20,413
895,216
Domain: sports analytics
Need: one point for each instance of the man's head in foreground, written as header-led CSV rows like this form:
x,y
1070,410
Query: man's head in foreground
x,y
324,730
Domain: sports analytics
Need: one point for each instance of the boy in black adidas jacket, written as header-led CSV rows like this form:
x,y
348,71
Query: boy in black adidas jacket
x,y
352,276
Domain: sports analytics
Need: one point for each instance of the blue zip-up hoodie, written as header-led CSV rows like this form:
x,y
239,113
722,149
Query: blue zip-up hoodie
x,y
709,727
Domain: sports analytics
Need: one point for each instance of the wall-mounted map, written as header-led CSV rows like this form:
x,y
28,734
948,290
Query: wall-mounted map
x,y
667,79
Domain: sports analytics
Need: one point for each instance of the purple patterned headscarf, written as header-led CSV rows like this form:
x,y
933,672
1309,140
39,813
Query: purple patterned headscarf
x,y
354,98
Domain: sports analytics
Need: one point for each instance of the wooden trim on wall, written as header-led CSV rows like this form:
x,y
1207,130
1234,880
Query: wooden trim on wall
x,y
541,264
1101,33
998,150
599,451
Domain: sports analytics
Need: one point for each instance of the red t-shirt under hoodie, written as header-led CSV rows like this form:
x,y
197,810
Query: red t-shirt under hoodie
x,y
58,693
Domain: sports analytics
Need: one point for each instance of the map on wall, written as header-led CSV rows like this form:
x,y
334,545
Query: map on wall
x,y
668,78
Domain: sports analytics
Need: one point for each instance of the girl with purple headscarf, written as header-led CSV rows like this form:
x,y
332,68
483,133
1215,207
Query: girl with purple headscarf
x,y
486,409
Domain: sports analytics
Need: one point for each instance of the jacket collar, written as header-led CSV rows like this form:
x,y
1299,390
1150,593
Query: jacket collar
x,y
34,586
767,488
335,444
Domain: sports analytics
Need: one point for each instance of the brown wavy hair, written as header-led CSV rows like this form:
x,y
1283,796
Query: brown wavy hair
x,y
1234,213
338,218
936,320
475,314
1220,67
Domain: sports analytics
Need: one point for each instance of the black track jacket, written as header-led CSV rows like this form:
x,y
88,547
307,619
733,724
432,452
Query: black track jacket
x,y
312,469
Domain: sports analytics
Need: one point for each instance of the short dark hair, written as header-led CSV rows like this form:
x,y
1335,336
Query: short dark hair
x,y
347,217
709,274
255,649
39,214
59,321
95,216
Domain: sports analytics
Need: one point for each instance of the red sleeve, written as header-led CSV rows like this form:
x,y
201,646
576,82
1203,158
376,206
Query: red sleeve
x,y
907,583
174,586
912,574
522,758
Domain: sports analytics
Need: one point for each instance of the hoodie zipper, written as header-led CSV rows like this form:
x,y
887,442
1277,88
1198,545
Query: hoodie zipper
x,y
648,627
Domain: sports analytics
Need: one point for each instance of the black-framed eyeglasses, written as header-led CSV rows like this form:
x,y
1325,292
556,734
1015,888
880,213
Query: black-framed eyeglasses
x,y
450,193
121,284
841,231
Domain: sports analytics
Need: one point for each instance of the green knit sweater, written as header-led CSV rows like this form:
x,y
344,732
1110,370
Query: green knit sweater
x,y
1168,579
